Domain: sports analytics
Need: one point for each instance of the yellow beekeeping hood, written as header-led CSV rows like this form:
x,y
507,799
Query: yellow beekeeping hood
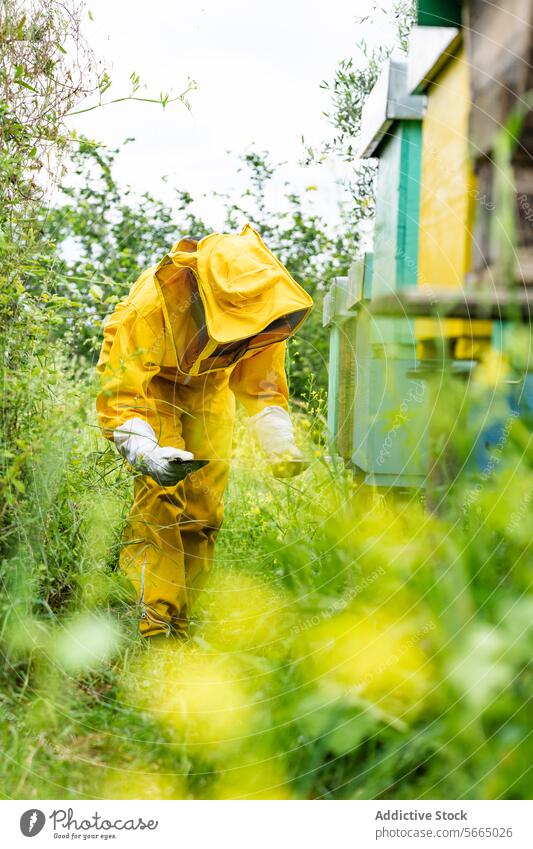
x,y
236,297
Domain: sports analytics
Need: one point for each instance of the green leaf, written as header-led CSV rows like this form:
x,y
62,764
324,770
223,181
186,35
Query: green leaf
x,y
96,292
349,733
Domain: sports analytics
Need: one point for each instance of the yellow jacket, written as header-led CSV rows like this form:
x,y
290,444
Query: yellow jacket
x,y
223,304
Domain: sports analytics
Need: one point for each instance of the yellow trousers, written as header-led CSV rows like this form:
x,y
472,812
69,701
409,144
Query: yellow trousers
x,y
169,540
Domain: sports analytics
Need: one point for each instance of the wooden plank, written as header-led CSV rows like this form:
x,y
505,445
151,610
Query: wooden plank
x,y
333,384
346,388
327,316
409,204
369,269
389,101
448,192
386,220
334,303
356,277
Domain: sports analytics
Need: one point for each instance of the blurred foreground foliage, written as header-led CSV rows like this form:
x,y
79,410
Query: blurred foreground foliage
x,y
105,235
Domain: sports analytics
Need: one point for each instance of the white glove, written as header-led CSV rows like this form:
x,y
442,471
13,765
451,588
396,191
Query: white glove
x,y
273,430
137,443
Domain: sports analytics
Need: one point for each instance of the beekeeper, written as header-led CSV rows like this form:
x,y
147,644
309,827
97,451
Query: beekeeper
x,y
204,327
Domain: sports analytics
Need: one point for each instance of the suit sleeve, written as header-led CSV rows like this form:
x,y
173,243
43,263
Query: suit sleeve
x,y
260,381
130,358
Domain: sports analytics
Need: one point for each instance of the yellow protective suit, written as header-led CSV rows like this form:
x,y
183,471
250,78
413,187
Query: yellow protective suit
x,y
205,326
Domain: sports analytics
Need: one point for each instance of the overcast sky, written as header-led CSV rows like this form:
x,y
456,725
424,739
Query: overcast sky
x,y
258,67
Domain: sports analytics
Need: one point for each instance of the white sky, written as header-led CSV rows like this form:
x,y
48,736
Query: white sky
x,y
258,67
